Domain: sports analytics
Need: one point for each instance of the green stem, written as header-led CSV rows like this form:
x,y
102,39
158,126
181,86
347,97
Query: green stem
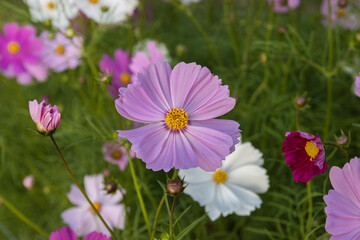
x,y
310,208
157,214
297,119
230,32
22,217
81,189
137,189
171,219
340,148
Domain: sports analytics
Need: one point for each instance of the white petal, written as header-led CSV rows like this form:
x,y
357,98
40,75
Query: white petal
x,y
114,215
203,193
79,219
244,154
248,199
94,184
195,175
251,177
75,196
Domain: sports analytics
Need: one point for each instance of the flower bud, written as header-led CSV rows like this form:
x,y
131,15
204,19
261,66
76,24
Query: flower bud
x,y
47,118
106,172
342,3
282,30
300,101
29,182
174,186
110,187
263,58
342,140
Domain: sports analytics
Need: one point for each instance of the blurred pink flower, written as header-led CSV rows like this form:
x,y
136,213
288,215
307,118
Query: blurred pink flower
x,y
29,182
61,53
116,154
47,118
342,15
82,219
20,54
66,233
284,6
357,84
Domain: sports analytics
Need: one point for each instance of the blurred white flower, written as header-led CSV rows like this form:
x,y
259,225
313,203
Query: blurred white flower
x,y
82,219
231,188
58,11
187,2
107,11
29,182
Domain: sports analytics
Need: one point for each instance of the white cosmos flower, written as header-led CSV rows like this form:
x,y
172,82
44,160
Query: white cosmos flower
x,y
107,11
231,188
82,219
187,2
58,11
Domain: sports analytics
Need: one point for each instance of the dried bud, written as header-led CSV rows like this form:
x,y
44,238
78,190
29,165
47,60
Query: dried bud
x,y
342,140
282,30
29,182
110,187
106,172
174,186
342,3
300,101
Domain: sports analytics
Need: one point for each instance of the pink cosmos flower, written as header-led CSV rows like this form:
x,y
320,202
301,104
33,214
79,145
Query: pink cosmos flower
x,y
66,233
343,13
29,182
20,54
61,53
118,68
116,154
305,155
82,219
343,203
142,59
357,84
284,6
47,118
179,104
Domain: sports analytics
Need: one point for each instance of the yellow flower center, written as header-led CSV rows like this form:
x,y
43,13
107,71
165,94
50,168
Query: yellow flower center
x,y
94,1
96,205
116,154
60,49
220,176
50,5
176,118
311,149
341,13
125,78
13,47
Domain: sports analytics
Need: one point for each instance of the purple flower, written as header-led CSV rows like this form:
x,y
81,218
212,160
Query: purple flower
x,y
343,203
179,106
118,68
284,6
20,54
116,154
82,219
144,58
357,84
47,118
305,155
66,233
342,15
61,53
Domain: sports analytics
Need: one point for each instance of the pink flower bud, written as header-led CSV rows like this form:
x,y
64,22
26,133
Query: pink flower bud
x,y
28,182
47,118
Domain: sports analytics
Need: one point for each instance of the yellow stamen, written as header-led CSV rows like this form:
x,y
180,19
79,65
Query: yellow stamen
x,y
96,205
125,78
60,49
220,176
50,5
94,1
13,47
176,118
341,13
311,149
116,154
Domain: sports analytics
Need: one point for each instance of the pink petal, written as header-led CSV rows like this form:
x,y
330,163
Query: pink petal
x,y
64,233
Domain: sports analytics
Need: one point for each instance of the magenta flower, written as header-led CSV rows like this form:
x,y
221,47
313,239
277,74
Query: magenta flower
x,y
118,68
343,13
66,233
82,219
179,106
305,155
284,6
343,203
61,53
20,54
47,118
144,58
116,154
357,84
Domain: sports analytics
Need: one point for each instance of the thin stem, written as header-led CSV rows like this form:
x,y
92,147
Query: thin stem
x,y
297,119
157,214
340,148
22,217
137,189
171,220
310,208
81,189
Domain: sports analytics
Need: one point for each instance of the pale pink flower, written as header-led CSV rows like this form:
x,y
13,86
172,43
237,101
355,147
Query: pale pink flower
x,y
116,154
47,118
29,182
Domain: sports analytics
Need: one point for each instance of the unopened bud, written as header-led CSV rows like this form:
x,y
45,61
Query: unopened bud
x,y
342,3
69,33
174,186
106,172
104,8
300,101
357,37
105,78
342,140
263,58
29,182
110,187
282,30
180,49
